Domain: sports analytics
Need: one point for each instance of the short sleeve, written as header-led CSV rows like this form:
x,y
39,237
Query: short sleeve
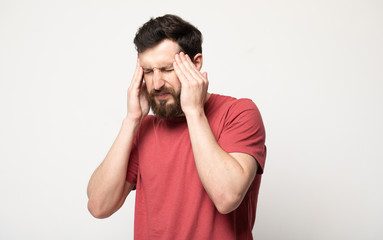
x,y
131,175
244,131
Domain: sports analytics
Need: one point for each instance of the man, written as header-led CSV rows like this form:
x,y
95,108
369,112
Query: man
x,y
195,164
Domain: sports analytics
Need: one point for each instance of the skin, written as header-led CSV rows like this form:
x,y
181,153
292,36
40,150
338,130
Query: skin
x,y
226,177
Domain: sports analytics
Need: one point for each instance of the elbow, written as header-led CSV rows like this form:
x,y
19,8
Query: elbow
x,y
97,210
228,204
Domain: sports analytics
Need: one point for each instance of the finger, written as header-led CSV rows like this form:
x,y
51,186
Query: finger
x,y
136,82
137,77
187,61
181,76
136,69
193,69
183,68
189,65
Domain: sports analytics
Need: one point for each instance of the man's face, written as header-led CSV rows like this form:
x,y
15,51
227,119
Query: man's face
x,y
163,85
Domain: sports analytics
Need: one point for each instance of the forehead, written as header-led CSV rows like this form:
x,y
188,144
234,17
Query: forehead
x,y
160,55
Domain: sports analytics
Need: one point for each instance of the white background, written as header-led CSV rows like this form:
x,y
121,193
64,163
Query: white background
x,y
314,68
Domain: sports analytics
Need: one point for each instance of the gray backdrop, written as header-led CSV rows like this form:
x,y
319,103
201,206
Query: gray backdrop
x,y
314,68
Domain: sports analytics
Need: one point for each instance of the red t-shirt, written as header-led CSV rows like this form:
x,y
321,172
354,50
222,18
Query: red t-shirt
x,y
171,202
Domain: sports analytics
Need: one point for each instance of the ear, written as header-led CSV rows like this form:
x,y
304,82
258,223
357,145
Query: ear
x,y
197,60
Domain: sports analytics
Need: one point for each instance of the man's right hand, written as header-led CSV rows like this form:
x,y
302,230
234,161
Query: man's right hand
x,y
138,104
108,188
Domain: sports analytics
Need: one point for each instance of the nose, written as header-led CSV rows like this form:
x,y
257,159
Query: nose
x,y
158,81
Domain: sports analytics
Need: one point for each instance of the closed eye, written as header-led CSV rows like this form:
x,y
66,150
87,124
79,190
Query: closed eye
x,y
167,69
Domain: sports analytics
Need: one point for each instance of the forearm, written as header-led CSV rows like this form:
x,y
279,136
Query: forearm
x,y
224,178
107,184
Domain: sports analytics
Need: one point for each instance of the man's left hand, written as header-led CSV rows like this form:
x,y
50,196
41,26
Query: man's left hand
x,y
194,85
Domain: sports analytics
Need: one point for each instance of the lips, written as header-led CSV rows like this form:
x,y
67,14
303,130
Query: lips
x,y
162,96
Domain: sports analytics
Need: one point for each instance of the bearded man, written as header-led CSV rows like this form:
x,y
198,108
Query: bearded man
x,y
196,163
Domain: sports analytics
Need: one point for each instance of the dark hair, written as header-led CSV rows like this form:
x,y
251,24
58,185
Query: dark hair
x,y
188,37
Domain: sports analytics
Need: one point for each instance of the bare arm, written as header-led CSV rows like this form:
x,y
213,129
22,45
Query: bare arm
x,y
226,177
108,188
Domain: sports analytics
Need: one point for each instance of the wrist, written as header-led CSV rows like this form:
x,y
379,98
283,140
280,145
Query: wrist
x,y
130,122
134,117
195,114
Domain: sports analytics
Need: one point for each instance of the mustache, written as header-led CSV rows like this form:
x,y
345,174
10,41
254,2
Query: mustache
x,y
163,90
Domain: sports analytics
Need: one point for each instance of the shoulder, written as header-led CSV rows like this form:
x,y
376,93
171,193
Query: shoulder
x,y
231,105
244,104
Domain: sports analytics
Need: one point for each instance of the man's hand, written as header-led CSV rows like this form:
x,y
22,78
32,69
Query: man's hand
x,y
226,177
138,105
108,188
194,84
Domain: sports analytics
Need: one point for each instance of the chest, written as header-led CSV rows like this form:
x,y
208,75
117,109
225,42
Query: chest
x,y
165,153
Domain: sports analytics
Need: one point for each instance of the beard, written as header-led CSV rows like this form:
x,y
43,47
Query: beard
x,y
163,109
